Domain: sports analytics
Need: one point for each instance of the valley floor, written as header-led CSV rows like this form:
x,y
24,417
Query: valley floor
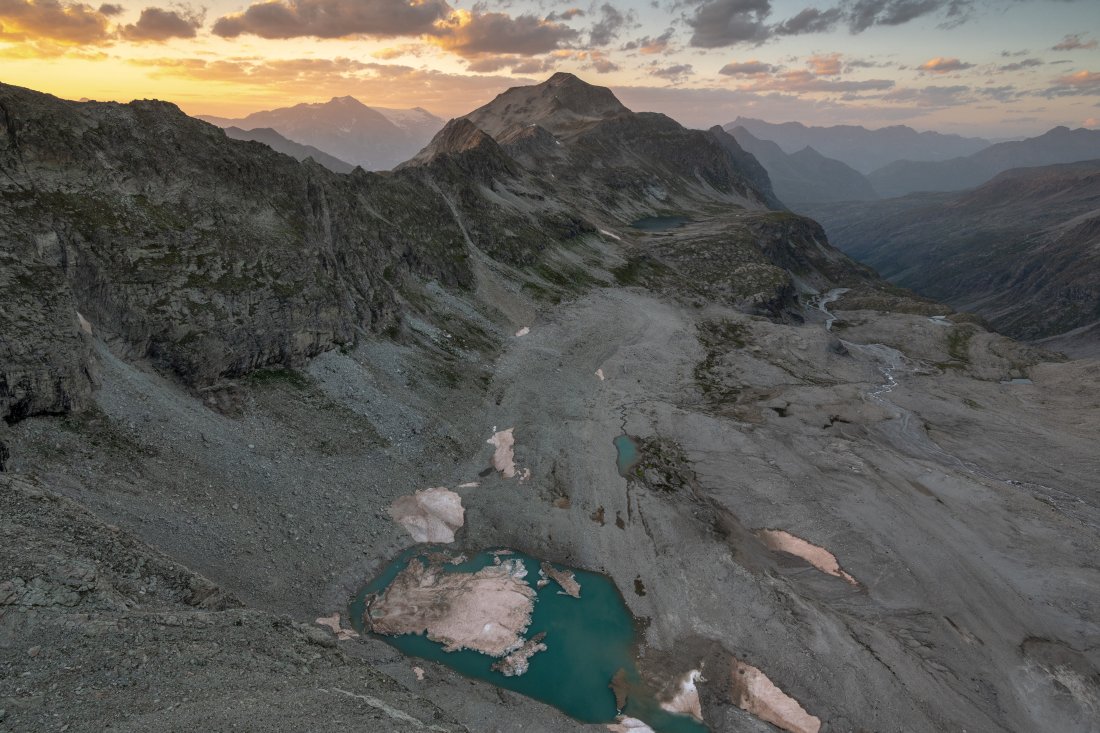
x,y
965,509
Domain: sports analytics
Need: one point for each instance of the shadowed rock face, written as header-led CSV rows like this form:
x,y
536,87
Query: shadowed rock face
x,y
210,257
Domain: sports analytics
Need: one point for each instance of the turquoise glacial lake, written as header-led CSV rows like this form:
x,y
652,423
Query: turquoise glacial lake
x,y
659,223
588,640
627,454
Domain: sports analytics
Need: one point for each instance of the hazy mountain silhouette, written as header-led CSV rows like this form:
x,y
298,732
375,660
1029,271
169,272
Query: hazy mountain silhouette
x,y
863,149
1059,145
277,142
806,176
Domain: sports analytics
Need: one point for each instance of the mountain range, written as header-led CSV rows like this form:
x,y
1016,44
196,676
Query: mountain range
x,y
805,176
1059,145
863,149
238,389
1022,250
280,144
375,138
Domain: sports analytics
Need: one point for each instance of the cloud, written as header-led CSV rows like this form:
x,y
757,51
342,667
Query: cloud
x,y
718,23
471,34
607,28
1073,42
801,82
387,85
595,60
810,20
943,65
52,20
746,68
650,46
1021,65
862,14
729,22
1079,83
568,14
109,9
333,18
931,96
157,24
824,64
1001,93
676,72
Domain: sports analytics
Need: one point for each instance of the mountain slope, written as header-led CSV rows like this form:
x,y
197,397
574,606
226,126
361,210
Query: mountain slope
x,y
208,256
280,144
1021,250
592,144
863,149
1059,145
275,355
347,129
806,176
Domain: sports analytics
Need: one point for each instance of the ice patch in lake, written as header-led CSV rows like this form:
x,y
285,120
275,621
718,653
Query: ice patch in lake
x,y
487,611
628,725
523,332
599,374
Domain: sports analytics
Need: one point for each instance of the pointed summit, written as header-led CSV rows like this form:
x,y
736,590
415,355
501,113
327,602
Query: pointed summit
x,y
563,104
465,145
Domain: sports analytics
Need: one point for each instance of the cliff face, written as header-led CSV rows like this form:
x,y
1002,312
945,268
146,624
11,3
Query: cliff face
x,y
211,258
208,256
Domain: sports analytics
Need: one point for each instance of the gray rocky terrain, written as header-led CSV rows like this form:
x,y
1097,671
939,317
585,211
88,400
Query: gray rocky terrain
x,y
200,463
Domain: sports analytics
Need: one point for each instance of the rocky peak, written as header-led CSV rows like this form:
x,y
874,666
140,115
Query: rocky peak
x,y
563,104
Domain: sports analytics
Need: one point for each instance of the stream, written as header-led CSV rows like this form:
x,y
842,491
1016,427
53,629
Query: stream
x,y
906,431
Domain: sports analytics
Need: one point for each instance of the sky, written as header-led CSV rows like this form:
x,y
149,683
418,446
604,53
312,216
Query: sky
x,y
996,68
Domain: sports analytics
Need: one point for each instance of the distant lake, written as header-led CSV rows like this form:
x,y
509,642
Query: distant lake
x,y
659,223
588,640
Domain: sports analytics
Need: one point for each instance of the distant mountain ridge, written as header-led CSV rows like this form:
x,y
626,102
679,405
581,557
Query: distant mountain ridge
x,y
861,148
1059,145
1022,250
347,129
280,144
806,176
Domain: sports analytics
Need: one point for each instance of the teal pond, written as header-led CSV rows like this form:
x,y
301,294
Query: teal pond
x,y
627,454
589,639
659,223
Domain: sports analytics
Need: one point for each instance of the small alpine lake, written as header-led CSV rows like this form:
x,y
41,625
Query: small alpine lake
x,y
588,640
659,223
